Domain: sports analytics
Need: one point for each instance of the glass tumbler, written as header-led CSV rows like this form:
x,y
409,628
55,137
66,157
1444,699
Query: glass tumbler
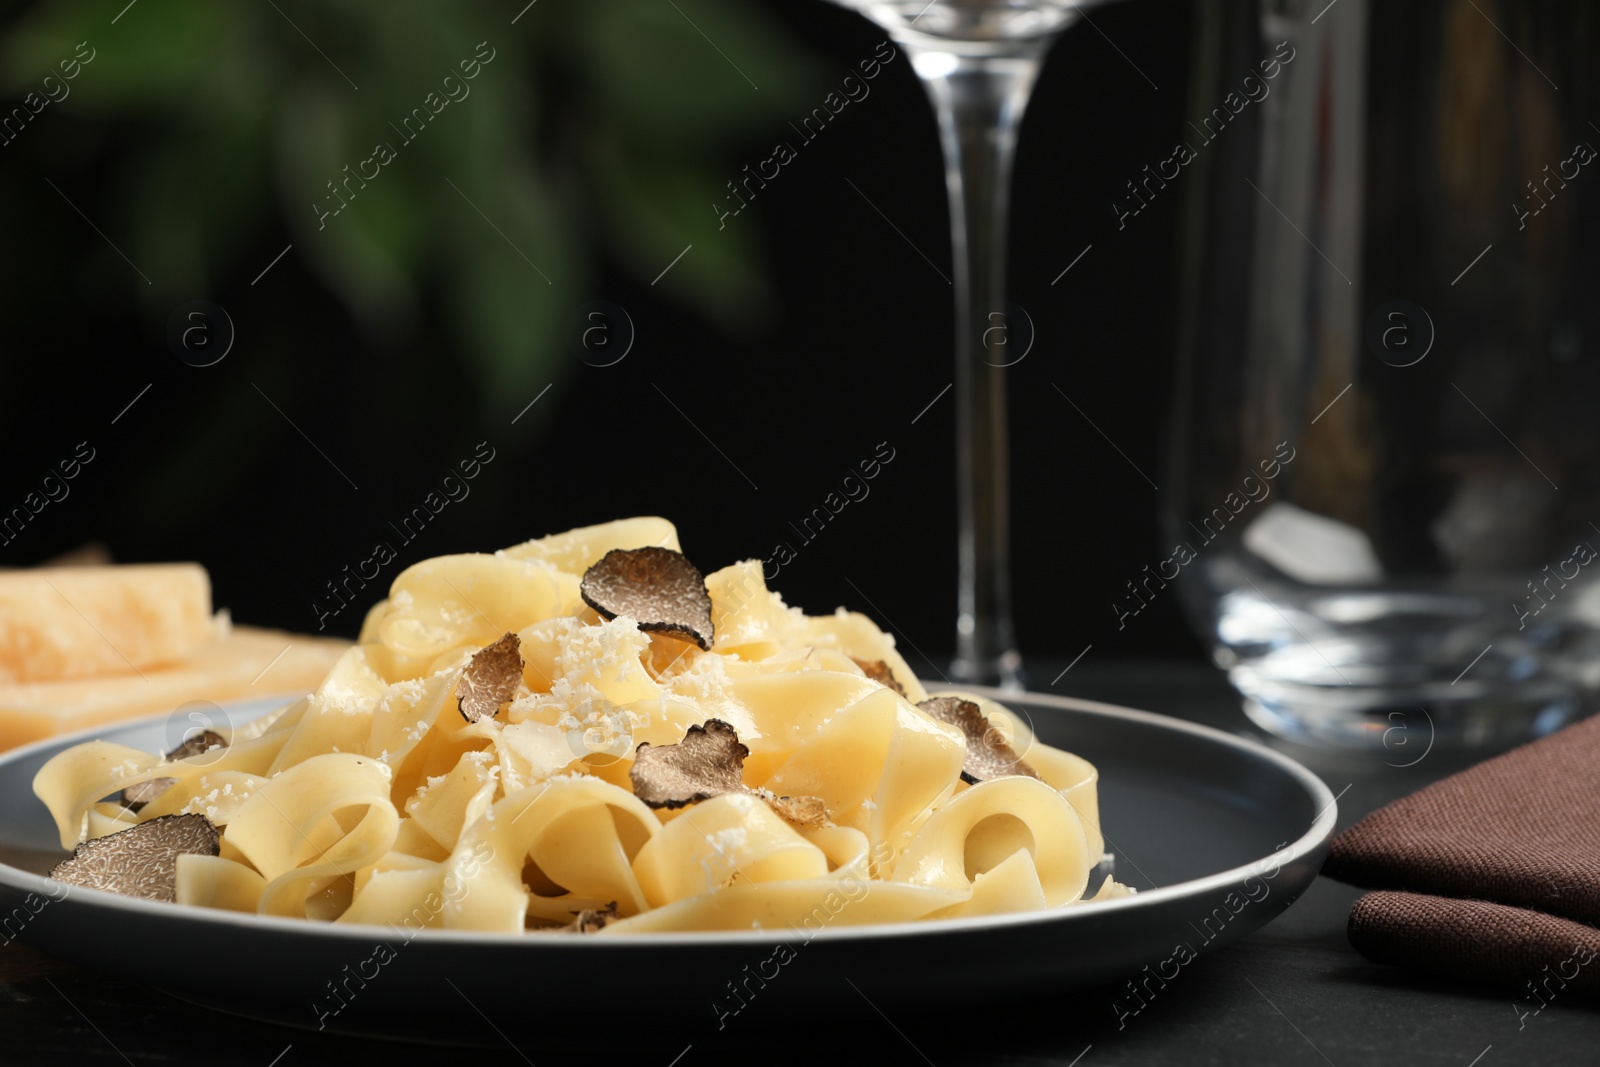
x,y
1383,500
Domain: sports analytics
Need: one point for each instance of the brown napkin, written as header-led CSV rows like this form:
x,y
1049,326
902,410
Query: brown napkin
x,y
1475,941
1494,862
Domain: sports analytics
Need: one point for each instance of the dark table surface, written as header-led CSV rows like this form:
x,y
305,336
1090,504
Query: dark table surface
x,y
1292,993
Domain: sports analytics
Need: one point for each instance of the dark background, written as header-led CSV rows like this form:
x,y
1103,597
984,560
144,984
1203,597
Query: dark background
x,y
853,344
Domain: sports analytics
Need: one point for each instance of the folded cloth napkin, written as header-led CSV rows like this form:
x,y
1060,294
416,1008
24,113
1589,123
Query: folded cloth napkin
x,y
1498,868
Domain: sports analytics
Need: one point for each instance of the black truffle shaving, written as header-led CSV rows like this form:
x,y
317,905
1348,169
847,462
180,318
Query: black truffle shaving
x,y
656,587
142,861
989,755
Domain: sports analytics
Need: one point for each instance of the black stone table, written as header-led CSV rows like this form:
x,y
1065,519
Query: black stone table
x,y
1293,993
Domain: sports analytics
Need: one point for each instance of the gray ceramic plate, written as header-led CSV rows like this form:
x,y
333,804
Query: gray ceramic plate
x,y
1219,835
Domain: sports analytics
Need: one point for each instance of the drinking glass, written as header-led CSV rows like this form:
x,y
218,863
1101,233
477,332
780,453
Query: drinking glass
x,y
1385,479
978,60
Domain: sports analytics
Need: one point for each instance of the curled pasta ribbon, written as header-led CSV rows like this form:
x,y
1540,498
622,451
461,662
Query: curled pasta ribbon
x,y
786,710
879,765
847,850
748,620
214,794
406,713
530,752
606,658
462,601
418,731
338,716
1011,885
400,890
1076,779
575,551
456,801
1069,774
315,823
581,833
72,782
709,845
979,828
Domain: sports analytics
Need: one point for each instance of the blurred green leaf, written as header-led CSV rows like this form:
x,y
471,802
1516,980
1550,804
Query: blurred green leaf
x,y
671,79
592,129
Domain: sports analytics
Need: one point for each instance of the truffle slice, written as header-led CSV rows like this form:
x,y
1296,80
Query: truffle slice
x,y
141,862
988,753
586,921
879,672
490,679
139,794
589,920
198,745
656,587
707,763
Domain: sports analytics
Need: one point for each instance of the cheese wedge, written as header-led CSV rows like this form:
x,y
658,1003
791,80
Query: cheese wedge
x,y
245,663
60,623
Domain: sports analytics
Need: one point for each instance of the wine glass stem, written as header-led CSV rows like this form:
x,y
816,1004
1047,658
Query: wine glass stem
x,y
979,102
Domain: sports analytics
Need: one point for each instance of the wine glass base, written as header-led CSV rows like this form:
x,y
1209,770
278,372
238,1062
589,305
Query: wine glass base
x,y
1402,726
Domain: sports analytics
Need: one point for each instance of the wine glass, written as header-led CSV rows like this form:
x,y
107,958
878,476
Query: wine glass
x,y
978,60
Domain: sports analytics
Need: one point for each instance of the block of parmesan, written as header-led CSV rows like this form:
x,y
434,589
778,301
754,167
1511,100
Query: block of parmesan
x,y
60,623
245,663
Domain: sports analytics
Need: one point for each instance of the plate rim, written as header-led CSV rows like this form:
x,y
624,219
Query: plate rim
x,y
1316,836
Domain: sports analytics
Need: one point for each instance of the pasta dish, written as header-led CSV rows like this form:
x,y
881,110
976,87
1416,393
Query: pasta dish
x,y
583,734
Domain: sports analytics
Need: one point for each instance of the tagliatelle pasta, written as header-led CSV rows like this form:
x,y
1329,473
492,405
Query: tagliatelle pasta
x,y
799,781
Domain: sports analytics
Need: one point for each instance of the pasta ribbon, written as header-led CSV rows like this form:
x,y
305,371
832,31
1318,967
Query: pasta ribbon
x,y
1075,777
994,819
465,601
577,550
855,635
445,806
586,857
338,716
214,882
733,836
321,820
72,782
